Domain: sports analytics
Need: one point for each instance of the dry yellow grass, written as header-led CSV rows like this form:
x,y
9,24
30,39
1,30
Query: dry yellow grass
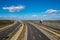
x,y
4,23
57,22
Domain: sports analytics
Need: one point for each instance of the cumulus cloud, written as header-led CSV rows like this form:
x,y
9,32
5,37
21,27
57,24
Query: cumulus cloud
x,y
52,11
14,8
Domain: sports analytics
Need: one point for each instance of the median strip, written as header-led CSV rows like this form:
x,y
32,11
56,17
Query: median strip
x,y
22,35
14,37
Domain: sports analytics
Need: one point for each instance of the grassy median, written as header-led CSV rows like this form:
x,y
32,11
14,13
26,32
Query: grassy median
x,y
21,36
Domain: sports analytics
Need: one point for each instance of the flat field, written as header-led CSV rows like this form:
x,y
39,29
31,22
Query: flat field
x,y
4,23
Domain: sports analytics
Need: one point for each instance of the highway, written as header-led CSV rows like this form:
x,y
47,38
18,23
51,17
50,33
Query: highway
x,y
4,34
51,32
33,31
35,34
53,27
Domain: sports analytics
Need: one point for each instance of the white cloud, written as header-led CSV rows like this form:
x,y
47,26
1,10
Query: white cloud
x,y
14,8
52,11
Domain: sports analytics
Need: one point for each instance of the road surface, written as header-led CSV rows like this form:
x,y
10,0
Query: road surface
x,y
51,27
51,32
35,34
4,34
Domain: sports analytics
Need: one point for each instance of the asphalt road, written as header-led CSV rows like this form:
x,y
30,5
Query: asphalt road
x,y
4,34
35,34
53,27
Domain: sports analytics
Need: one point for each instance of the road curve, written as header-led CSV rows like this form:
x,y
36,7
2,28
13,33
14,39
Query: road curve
x,y
4,34
35,34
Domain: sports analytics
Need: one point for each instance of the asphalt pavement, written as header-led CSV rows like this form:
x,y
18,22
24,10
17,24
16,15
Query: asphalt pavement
x,y
35,34
4,34
49,26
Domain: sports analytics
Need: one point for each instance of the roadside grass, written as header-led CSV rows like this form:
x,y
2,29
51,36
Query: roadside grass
x,y
13,33
52,34
4,23
53,24
57,22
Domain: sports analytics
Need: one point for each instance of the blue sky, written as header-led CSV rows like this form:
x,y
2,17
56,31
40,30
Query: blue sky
x,y
30,9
